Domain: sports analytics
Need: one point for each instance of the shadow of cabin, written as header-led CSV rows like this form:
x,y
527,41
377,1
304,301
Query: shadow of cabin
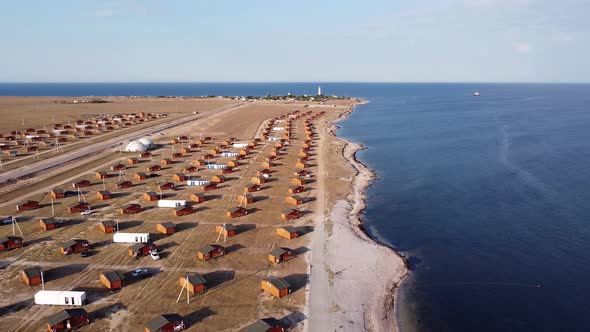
x,y
217,278
199,315
297,281
242,228
62,271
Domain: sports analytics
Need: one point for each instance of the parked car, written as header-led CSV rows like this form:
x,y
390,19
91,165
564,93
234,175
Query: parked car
x,y
85,213
141,273
155,256
7,220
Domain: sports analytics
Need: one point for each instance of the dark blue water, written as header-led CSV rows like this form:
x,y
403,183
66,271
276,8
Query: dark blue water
x,y
489,196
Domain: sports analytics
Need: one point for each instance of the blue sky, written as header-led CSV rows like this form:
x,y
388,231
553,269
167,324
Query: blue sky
x,y
344,40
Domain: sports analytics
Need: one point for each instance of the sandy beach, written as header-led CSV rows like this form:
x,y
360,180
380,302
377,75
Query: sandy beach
x,y
354,279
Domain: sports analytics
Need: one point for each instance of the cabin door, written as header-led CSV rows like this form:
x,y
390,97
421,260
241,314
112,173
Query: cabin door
x,y
72,298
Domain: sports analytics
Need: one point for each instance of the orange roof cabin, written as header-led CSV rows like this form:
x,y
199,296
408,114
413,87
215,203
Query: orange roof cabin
x,y
198,197
167,186
112,280
165,161
218,179
270,324
107,226
289,214
150,196
67,320
211,251
179,177
27,205
258,180
277,287
57,193
141,249
247,198
296,189
251,188
123,184
118,167
102,175
103,195
227,230
48,224
140,176
183,211
233,163
74,246
165,323
288,232
154,168
10,242
130,209
81,184
208,187
165,228
278,255
236,212
78,207
195,283
32,275
298,181
295,199
132,161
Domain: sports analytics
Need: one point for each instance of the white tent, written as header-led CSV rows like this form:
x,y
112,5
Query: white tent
x,y
135,146
147,142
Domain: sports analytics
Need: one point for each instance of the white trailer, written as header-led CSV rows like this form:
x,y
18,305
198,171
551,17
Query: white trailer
x,y
197,182
278,128
229,154
240,145
274,139
131,237
170,203
216,166
60,298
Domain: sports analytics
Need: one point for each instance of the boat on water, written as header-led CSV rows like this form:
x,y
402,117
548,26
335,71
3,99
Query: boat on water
x,y
476,94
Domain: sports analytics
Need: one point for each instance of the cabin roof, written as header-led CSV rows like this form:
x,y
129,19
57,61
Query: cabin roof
x,y
235,209
228,227
113,276
289,229
209,248
277,252
65,314
167,224
8,238
279,283
32,272
72,242
263,325
196,279
288,211
108,223
157,323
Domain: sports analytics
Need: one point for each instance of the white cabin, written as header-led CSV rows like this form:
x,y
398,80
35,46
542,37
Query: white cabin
x,y
131,237
170,203
60,298
215,166
197,182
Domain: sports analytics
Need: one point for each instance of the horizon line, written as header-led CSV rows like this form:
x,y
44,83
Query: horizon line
x,y
299,82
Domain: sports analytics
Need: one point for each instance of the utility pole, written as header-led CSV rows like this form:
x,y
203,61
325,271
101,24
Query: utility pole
x,y
184,285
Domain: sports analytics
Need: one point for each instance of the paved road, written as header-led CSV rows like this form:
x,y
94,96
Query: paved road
x,y
97,147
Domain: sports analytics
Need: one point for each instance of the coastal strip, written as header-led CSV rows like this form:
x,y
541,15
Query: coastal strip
x,y
355,285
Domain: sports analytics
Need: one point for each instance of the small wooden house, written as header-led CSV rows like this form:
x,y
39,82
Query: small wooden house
x,y
226,170
57,193
141,249
140,176
296,189
211,251
112,280
130,209
118,167
247,199
270,324
102,175
78,207
277,287
227,230
301,164
165,228
154,168
166,161
258,180
218,179
132,161
165,323
48,224
301,173
10,242
103,195
108,226
179,177
207,156
289,214
251,188
279,255
81,184
200,162
145,155
27,205
195,283
263,172
32,275
208,187
176,155
67,320
150,196
236,212
287,232
167,186
191,169
198,197
233,163
123,184
298,181
74,246
186,150
183,211
267,164
295,199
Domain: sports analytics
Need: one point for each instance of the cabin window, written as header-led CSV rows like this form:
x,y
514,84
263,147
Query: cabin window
x,y
67,301
73,300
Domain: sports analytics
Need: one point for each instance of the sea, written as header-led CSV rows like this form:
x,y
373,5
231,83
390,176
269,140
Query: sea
x,y
488,197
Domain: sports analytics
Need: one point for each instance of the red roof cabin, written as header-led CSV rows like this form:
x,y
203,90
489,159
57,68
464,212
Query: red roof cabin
x,y
183,211
150,196
57,193
208,187
123,184
108,226
81,184
74,246
258,180
247,199
48,224
67,320
154,168
277,287
263,171
295,199
200,162
27,205
226,170
118,167
198,197
141,249
218,179
102,175
78,207
145,155
176,155
296,189
165,161
10,242
132,161
191,169
167,186
211,251
270,324
179,177
140,176
130,209
112,280
298,181
251,188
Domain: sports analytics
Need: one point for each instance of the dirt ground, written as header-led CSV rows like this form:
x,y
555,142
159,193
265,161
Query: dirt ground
x,y
234,299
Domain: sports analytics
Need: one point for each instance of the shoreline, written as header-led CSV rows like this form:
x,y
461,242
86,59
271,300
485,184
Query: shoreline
x,y
370,304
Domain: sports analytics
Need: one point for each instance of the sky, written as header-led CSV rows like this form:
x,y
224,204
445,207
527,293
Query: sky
x,y
295,41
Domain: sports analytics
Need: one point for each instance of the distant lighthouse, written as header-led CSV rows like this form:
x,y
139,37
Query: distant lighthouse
x,y
319,90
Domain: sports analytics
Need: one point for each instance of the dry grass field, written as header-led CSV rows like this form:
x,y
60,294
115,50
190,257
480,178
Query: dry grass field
x,y
234,299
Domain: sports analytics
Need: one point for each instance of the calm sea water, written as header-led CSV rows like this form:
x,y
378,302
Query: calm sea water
x,y
489,196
